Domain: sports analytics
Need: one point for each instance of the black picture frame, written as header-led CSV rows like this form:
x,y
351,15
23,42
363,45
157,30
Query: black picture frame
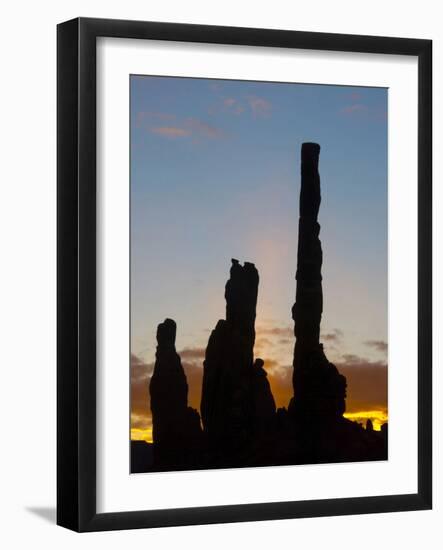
x,y
76,280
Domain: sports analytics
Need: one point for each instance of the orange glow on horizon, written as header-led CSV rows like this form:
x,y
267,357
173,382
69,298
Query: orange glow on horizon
x,y
378,417
139,434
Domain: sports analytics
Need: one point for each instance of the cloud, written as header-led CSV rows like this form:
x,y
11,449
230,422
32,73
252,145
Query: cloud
x,y
271,364
276,331
233,106
367,383
333,337
280,380
135,360
260,107
275,340
140,421
352,360
140,402
263,343
230,105
379,345
199,128
140,371
188,127
170,126
192,353
358,109
256,106
170,131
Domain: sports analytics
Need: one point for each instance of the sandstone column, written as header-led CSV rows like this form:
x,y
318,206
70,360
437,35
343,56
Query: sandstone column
x,y
319,390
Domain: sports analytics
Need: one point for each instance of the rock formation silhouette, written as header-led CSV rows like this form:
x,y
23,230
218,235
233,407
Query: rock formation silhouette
x,y
240,423
264,405
236,400
322,433
141,456
319,389
176,427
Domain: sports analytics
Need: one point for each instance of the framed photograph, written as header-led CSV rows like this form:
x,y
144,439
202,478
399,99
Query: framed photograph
x,y
244,274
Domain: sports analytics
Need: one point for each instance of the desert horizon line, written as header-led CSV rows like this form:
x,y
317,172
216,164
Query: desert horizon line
x,y
377,416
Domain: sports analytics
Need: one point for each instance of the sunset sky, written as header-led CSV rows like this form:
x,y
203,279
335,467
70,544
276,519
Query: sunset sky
x,y
215,175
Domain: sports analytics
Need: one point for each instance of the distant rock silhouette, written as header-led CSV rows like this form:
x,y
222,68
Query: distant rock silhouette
x,y
319,389
241,426
175,426
226,406
236,397
322,433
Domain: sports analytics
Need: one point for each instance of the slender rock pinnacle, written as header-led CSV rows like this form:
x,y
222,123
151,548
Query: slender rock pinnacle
x,y
319,389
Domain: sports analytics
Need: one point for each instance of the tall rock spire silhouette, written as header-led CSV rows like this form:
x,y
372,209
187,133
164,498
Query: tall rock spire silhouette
x,y
319,389
236,398
176,427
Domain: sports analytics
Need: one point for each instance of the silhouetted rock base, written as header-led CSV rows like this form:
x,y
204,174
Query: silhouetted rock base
x,y
142,456
338,441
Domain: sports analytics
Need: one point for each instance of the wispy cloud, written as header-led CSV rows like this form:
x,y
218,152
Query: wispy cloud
x,y
175,127
276,331
140,371
233,105
229,102
379,345
170,131
259,106
200,128
357,108
280,379
354,361
229,105
192,353
335,336
367,383
140,403
263,343
286,334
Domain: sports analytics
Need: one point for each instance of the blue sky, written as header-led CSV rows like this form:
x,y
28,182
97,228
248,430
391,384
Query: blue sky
x,y
215,170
